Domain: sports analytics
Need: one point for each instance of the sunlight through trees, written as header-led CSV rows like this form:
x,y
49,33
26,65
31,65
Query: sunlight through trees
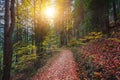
x,y
33,31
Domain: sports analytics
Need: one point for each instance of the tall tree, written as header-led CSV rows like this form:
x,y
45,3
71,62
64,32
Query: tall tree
x,y
78,17
64,20
8,31
96,16
114,10
41,25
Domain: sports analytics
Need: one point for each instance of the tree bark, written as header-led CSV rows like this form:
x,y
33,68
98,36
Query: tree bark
x,y
8,31
107,30
114,11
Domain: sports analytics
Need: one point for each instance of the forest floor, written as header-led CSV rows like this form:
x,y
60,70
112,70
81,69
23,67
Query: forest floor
x,y
100,59
63,68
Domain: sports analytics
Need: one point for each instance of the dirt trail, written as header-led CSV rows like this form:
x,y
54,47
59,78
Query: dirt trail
x,y
63,68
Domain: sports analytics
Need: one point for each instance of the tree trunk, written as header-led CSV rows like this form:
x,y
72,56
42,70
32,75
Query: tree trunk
x,y
114,11
6,68
8,31
107,30
7,61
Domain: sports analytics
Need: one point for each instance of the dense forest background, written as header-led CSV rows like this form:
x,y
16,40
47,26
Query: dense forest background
x,y
30,37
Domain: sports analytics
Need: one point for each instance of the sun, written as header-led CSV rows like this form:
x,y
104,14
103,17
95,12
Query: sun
x,y
50,12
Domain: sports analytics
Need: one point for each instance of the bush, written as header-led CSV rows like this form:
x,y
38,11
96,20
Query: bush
x,y
24,58
74,43
93,36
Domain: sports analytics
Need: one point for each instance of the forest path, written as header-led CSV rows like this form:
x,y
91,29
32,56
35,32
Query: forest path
x,y
63,68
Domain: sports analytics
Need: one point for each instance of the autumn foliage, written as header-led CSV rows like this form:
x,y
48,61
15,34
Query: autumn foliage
x,y
102,59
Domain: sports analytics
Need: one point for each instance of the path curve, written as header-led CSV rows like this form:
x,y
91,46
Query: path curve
x,y
63,68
